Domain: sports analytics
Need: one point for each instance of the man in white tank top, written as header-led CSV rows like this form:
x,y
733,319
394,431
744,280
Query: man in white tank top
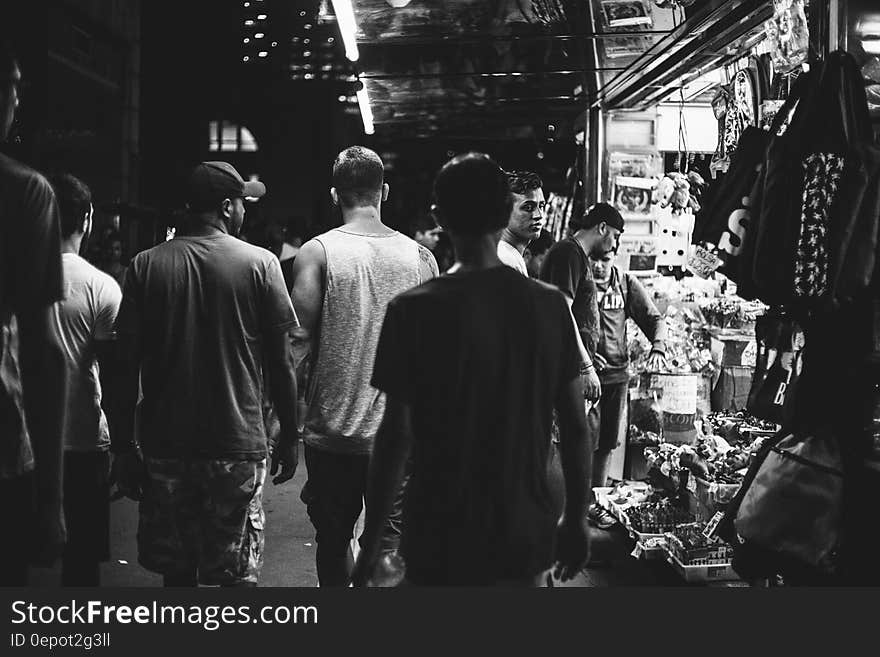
x,y
343,281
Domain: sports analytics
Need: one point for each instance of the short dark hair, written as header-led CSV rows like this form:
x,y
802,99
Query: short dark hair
x,y
541,244
523,182
472,195
358,175
74,199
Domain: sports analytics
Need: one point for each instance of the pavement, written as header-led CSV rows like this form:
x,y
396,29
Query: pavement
x,y
289,559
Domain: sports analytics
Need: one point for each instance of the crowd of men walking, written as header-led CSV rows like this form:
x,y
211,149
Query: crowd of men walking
x,y
450,407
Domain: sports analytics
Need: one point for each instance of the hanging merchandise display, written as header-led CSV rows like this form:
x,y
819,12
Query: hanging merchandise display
x,y
626,13
558,214
835,258
822,173
788,34
788,253
775,204
779,346
854,237
680,191
670,4
721,158
737,107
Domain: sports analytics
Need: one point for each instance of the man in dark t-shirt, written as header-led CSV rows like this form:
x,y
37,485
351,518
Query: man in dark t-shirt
x,y
201,316
32,370
501,354
567,266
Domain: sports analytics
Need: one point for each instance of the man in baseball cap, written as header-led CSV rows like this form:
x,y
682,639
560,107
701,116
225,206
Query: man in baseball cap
x,y
601,213
212,182
202,315
567,266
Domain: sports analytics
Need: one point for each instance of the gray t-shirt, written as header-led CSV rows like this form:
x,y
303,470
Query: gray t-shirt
x,y
202,307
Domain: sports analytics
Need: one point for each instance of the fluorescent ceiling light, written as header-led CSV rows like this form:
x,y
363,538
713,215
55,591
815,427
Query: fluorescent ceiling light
x,y
869,25
366,111
347,27
871,46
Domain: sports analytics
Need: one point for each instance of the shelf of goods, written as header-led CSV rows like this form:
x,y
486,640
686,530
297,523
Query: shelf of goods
x,y
668,523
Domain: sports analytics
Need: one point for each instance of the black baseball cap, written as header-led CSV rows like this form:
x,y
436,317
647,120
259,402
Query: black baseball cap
x,y
599,213
211,182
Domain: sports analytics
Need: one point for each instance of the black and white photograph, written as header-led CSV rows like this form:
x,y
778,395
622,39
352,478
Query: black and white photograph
x,y
300,299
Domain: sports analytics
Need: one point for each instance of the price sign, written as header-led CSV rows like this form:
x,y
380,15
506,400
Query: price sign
x,y
701,262
712,526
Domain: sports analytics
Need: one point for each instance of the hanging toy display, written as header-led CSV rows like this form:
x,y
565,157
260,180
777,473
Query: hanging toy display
x,y
680,191
721,158
788,35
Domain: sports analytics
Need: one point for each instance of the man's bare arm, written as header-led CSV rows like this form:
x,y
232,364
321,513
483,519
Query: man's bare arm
x,y
573,544
308,299
282,382
108,356
387,468
577,460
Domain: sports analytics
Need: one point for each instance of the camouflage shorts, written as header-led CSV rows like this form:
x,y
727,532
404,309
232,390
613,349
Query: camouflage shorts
x,y
205,514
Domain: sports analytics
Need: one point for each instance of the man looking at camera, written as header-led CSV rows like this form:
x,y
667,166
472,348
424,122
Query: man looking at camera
x,y
526,218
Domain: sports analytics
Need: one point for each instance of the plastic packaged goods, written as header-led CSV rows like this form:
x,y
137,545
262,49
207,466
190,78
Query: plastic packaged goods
x,y
788,35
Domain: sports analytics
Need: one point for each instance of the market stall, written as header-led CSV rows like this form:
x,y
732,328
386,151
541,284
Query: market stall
x,y
706,235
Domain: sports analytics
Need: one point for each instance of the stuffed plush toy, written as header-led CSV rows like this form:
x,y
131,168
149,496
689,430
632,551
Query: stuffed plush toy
x,y
681,191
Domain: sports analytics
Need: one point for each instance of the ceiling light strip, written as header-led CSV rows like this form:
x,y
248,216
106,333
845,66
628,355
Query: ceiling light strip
x,y
347,27
366,111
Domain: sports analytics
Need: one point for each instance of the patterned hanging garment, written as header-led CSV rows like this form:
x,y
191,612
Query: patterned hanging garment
x,y
822,173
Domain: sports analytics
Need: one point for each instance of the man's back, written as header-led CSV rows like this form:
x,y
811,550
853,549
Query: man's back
x,y
363,272
480,357
202,306
85,315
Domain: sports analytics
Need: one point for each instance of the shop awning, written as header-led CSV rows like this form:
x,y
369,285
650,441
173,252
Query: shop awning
x,y
691,42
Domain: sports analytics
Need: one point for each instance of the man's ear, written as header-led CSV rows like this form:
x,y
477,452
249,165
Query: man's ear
x,y
385,189
227,208
334,196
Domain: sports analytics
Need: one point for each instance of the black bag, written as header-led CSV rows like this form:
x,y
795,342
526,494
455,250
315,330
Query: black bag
x,y
787,517
777,368
853,231
778,201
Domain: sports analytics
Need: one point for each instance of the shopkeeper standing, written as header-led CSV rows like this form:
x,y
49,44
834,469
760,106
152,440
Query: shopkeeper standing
x,y
620,296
